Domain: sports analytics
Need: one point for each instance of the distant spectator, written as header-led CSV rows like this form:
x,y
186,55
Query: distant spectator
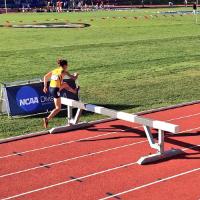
x,y
102,5
59,6
48,6
171,4
185,3
86,7
194,8
80,5
23,8
66,5
97,6
142,3
28,7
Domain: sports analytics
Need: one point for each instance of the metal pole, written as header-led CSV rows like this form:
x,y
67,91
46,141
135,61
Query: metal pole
x,y
5,3
197,2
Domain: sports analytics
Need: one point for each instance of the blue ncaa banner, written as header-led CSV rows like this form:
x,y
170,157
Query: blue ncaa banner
x,y
30,99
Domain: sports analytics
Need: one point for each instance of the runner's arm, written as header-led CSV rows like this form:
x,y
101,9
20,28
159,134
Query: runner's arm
x,y
45,79
67,87
74,76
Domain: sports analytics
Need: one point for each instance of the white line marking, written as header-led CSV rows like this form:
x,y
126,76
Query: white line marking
x,y
94,174
69,181
184,117
151,183
60,144
80,178
73,141
192,129
73,158
86,155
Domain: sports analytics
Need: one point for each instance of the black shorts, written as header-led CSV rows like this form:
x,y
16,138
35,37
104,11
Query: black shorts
x,y
55,92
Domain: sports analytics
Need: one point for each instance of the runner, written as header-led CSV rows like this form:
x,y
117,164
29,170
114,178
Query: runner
x,y
59,6
194,8
56,85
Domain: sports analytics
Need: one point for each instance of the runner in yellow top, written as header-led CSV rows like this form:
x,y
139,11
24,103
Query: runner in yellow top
x,y
56,85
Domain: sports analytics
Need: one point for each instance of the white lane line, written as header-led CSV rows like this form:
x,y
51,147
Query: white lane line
x,y
184,149
151,183
86,155
60,144
73,158
184,117
73,141
79,178
188,130
69,181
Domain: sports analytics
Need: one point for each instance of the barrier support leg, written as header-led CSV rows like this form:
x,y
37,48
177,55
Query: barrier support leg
x,y
161,141
159,146
77,117
150,138
69,114
72,122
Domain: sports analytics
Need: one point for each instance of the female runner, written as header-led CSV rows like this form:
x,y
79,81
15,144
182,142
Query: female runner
x,y
56,85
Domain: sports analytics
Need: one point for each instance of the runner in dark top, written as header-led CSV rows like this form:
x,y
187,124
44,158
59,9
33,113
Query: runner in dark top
x,y
194,8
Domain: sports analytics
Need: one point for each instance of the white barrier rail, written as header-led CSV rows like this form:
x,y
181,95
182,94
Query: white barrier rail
x,y
145,122
122,115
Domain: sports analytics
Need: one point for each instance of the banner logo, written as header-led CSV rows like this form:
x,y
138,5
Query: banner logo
x,y
27,98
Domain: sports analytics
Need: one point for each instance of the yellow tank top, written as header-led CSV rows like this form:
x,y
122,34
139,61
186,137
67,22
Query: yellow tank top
x,y
56,78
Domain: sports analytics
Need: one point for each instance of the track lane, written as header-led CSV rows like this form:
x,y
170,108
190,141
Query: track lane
x,y
44,176
23,161
33,159
56,139
55,174
121,128
184,186
45,141
178,112
181,140
95,186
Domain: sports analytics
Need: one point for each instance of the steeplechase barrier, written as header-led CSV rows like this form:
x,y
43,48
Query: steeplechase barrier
x,y
148,124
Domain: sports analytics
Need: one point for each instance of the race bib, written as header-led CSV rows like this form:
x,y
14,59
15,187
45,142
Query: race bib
x,y
54,77
58,93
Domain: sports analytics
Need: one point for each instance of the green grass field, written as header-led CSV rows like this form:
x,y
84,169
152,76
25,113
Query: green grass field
x,y
125,64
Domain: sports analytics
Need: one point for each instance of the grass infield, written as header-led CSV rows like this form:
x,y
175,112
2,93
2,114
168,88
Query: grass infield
x,y
127,60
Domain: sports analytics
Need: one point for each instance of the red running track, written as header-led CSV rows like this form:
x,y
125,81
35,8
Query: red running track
x,y
100,163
